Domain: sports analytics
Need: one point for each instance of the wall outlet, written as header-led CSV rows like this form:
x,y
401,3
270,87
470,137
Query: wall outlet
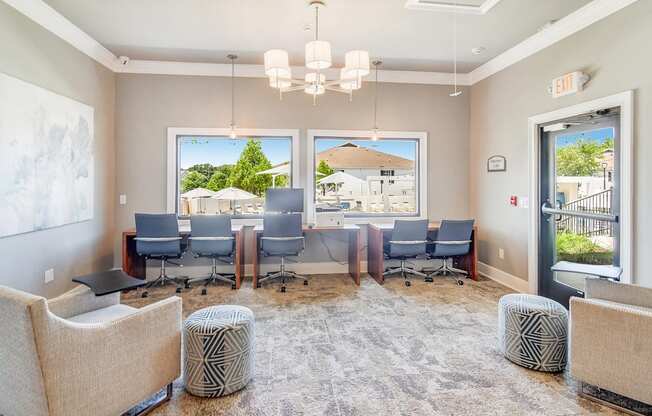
x,y
49,275
123,199
501,254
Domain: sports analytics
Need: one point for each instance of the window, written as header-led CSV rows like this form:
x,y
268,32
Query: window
x,y
210,173
366,178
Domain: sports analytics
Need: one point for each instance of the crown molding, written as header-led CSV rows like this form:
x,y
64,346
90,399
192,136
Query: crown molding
x,y
258,71
44,15
50,19
565,27
440,6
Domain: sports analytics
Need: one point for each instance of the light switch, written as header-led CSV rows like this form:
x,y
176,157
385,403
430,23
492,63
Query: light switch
x,y
123,199
524,202
49,275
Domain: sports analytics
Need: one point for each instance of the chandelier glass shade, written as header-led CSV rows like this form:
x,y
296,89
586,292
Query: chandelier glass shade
x,y
318,58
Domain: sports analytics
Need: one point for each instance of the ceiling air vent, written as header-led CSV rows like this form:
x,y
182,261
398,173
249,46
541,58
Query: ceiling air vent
x,y
461,6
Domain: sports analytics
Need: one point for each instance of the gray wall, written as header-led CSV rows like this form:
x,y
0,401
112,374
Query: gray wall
x,y
33,54
614,51
146,105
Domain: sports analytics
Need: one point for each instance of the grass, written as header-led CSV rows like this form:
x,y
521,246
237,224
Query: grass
x,y
580,249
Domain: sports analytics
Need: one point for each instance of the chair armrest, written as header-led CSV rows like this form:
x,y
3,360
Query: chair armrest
x,y
158,239
618,292
282,238
610,347
452,243
406,243
80,300
110,367
211,238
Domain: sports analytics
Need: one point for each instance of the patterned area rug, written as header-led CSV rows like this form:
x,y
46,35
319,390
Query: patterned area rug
x,y
335,349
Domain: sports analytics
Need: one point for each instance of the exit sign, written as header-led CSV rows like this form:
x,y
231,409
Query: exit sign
x,y
568,84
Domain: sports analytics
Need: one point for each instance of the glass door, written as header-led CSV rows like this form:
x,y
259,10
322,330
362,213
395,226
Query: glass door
x,y
579,184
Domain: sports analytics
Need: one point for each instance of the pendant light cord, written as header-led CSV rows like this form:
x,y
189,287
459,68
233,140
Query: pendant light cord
x,y
455,46
376,99
232,92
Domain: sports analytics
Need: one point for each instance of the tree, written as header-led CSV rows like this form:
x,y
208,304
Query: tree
x,y
192,180
252,160
579,159
220,178
205,169
324,168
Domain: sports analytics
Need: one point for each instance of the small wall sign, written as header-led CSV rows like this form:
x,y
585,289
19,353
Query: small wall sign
x,y
568,84
496,163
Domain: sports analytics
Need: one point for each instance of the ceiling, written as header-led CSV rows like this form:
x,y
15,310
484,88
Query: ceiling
x,y
207,30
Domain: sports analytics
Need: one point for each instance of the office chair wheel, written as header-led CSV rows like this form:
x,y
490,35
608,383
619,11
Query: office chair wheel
x,y
144,295
204,292
460,283
282,289
178,290
187,285
428,280
258,285
305,283
233,286
408,283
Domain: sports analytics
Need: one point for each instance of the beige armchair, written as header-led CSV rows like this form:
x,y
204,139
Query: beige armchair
x,y
611,338
79,354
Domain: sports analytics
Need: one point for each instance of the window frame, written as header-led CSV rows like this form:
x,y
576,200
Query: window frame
x,y
172,177
364,218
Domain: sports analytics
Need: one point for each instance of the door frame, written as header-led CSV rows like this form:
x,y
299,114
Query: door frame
x,y
624,100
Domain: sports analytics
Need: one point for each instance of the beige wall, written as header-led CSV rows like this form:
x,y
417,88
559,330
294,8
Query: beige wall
x,y
33,54
615,52
146,105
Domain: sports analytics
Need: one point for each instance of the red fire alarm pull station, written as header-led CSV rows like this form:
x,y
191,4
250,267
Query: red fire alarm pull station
x,y
513,200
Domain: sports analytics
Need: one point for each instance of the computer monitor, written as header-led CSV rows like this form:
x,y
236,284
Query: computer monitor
x,y
284,200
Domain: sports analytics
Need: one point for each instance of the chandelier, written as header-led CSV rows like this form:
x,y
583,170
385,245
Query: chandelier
x,y
318,58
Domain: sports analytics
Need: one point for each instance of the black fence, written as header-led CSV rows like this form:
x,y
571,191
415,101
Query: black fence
x,y
599,203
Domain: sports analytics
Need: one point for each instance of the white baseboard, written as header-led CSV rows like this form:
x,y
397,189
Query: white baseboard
x,y
503,278
300,268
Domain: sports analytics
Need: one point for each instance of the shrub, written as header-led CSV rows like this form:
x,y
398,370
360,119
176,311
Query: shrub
x,y
580,249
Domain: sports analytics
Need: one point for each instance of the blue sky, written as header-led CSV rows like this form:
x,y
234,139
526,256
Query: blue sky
x,y
220,151
599,135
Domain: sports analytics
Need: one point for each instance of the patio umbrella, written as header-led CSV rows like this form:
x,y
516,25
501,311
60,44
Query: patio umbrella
x,y
233,194
198,193
275,171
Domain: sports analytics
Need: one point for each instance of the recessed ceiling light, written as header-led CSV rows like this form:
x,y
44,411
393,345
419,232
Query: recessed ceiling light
x,y
478,50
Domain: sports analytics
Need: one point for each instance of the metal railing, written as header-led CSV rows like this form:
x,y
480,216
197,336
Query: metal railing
x,y
588,225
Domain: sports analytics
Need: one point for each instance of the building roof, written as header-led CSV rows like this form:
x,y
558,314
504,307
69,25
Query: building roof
x,y
352,156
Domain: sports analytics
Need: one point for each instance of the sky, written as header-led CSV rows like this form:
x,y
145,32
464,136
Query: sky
x,y
220,151
599,135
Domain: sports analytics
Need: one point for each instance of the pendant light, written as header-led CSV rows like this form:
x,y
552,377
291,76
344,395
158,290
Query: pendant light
x,y
376,64
456,92
232,57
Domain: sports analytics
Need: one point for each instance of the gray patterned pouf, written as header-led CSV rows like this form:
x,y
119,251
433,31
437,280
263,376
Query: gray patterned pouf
x,y
219,350
533,331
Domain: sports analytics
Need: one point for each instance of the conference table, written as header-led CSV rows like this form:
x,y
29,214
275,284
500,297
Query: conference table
x,y
135,265
376,258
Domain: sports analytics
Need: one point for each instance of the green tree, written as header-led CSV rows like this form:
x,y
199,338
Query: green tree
x,y
579,159
252,160
205,169
192,180
324,168
220,178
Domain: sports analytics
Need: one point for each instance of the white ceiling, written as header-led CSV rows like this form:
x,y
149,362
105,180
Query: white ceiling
x,y
206,30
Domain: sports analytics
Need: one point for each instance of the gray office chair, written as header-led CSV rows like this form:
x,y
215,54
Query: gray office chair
x,y
157,238
211,237
453,239
282,237
408,241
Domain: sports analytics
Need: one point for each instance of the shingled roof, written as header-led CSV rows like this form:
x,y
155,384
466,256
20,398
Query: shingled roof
x,y
352,156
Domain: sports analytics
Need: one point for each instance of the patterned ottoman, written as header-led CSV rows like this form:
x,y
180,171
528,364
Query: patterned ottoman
x,y
218,350
533,331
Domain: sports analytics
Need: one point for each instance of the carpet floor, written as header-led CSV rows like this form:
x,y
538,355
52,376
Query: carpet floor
x,y
335,349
